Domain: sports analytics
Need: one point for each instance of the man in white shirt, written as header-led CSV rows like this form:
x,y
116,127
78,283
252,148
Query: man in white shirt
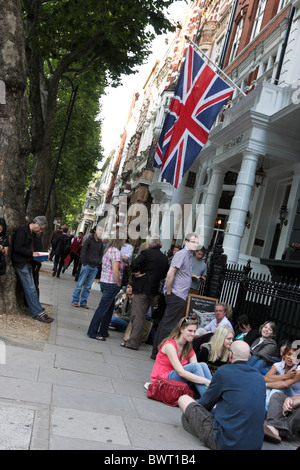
x,y
221,311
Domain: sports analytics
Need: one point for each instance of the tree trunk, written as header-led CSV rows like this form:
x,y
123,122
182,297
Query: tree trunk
x,y
14,139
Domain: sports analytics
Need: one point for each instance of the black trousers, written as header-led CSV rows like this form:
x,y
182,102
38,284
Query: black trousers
x,y
174,308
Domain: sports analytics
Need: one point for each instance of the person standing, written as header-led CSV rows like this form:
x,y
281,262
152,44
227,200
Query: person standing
x,y
91,258
176,290
75,252
236,395
126,255
55,234
149,268
61,250
199,270
23,250
110,283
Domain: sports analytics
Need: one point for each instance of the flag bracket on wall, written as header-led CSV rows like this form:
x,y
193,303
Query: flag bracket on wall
x,y
232,83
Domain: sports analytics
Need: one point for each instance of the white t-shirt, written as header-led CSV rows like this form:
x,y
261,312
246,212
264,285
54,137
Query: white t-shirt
x,y
280,366
213,325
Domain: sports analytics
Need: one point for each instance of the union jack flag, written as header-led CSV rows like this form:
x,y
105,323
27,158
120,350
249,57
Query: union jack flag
x,y
198,98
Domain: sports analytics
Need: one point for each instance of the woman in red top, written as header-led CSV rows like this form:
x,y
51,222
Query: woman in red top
x,y
177,360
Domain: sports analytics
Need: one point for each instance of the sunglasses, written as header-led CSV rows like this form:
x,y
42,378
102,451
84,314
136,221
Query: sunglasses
x,y
186,319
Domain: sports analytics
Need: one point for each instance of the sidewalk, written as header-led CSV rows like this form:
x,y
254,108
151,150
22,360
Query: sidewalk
x,y
75,393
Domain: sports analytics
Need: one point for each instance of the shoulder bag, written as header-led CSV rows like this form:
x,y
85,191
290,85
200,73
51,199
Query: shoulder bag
x,y
168,391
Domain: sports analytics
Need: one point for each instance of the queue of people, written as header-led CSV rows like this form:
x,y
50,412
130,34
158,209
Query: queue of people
x,y
235,371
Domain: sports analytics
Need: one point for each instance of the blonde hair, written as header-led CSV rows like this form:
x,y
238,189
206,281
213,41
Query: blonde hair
x,y
176,332
216,344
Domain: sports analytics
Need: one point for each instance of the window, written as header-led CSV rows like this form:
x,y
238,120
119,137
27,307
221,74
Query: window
x,y
230,178
219,50
282,4
191,180
258,18
237,40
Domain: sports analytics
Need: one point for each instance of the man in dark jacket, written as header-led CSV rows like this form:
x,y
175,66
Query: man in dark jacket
x,y
62,249
25,244
149,268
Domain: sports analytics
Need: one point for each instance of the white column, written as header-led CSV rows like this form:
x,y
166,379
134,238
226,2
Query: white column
x,y
239,207
210,209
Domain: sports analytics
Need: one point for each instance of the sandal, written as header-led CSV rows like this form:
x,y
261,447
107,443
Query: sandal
x,y
100,338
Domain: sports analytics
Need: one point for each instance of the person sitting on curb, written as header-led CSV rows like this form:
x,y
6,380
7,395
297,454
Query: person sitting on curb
x,y
246,330
177,360
231,413
283,418
284,376
122,315
264,347
216,352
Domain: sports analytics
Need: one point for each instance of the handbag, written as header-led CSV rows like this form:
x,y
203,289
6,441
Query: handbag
x,y
2,265
168,391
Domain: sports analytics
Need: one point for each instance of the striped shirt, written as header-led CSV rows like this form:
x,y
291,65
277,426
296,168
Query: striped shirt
x,y
112,255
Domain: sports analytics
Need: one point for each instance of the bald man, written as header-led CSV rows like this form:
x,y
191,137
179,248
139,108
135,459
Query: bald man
x,y
230,414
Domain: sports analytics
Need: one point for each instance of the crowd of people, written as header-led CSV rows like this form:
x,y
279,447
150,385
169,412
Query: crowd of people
x,y
246,386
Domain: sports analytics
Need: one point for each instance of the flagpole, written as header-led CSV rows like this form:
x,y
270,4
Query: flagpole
x,y
215,65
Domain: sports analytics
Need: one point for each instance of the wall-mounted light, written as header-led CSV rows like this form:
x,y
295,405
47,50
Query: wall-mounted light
x,y
259,176
248,218
283,211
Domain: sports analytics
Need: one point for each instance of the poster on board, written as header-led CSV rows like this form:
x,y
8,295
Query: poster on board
x,y
202,307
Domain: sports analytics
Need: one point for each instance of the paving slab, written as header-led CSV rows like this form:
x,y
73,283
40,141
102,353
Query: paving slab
x,y
72,392
78,424
15,428
89,400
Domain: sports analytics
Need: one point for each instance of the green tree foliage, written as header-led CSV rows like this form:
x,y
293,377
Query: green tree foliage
x,y
69,38
82,149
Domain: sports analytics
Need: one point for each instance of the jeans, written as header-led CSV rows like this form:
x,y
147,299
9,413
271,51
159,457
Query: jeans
x,y
86,278
104,312
198,368
26,278
119,323
257,362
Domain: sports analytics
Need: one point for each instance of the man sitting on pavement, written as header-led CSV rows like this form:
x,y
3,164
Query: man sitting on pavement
x,y
230,415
